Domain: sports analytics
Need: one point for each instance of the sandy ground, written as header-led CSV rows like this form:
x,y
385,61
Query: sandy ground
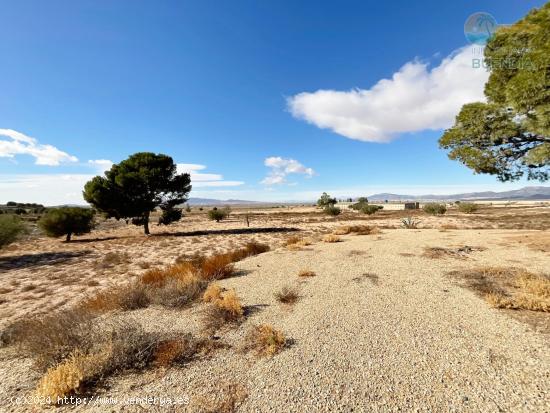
x,y
380,328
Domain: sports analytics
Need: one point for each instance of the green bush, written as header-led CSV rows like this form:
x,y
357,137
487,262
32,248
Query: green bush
x,y
10,228
67,221
170,215
217,214
326,201
332,210
467,207
370,209
433,208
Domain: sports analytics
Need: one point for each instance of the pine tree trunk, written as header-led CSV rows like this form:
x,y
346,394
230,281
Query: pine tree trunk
x,y
146,225
68,238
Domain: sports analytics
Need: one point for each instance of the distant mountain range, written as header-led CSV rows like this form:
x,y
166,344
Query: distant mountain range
x,y
526,193
209,201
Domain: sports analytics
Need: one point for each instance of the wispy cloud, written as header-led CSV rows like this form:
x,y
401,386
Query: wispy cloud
x,y
281,168
21,144
199,179
414,99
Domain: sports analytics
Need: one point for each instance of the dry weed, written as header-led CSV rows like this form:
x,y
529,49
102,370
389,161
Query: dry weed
x,y
264,340
306,273
287,295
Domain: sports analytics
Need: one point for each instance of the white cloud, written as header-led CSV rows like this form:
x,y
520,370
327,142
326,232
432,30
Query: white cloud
x,y
415,98
21,144
281,168
188,167
101,165
199,179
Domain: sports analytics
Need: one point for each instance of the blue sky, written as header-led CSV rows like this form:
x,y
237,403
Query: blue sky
x,y
260,100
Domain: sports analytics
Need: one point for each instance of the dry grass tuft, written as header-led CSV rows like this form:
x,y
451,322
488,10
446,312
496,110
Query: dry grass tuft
x,y
181,350
331,238
287,295
264,340
306,273
221,311
295,243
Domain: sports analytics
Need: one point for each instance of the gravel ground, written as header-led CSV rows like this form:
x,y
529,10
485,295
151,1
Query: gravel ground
x,y
374,331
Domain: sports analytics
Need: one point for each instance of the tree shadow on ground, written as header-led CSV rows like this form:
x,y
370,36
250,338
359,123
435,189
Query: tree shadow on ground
x,y
235,231
35,260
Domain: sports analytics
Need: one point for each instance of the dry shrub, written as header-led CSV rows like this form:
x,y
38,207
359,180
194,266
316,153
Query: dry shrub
x,y
331,238
344,230
176,292
510,288
225,310
296,243
217,267
356,229
175,351
250,249
181,350
445,227
213,292
69,376
440,252
53,337
120,347
128,297
306,273
226,399
287,295
264,340
518,302
535,284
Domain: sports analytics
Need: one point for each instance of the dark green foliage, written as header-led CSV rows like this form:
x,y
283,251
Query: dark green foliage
x,y
217,214
332,210
363,206
67,221
10,228
170,215
326,200
509,136
467,207
136,186
370,209
433,208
